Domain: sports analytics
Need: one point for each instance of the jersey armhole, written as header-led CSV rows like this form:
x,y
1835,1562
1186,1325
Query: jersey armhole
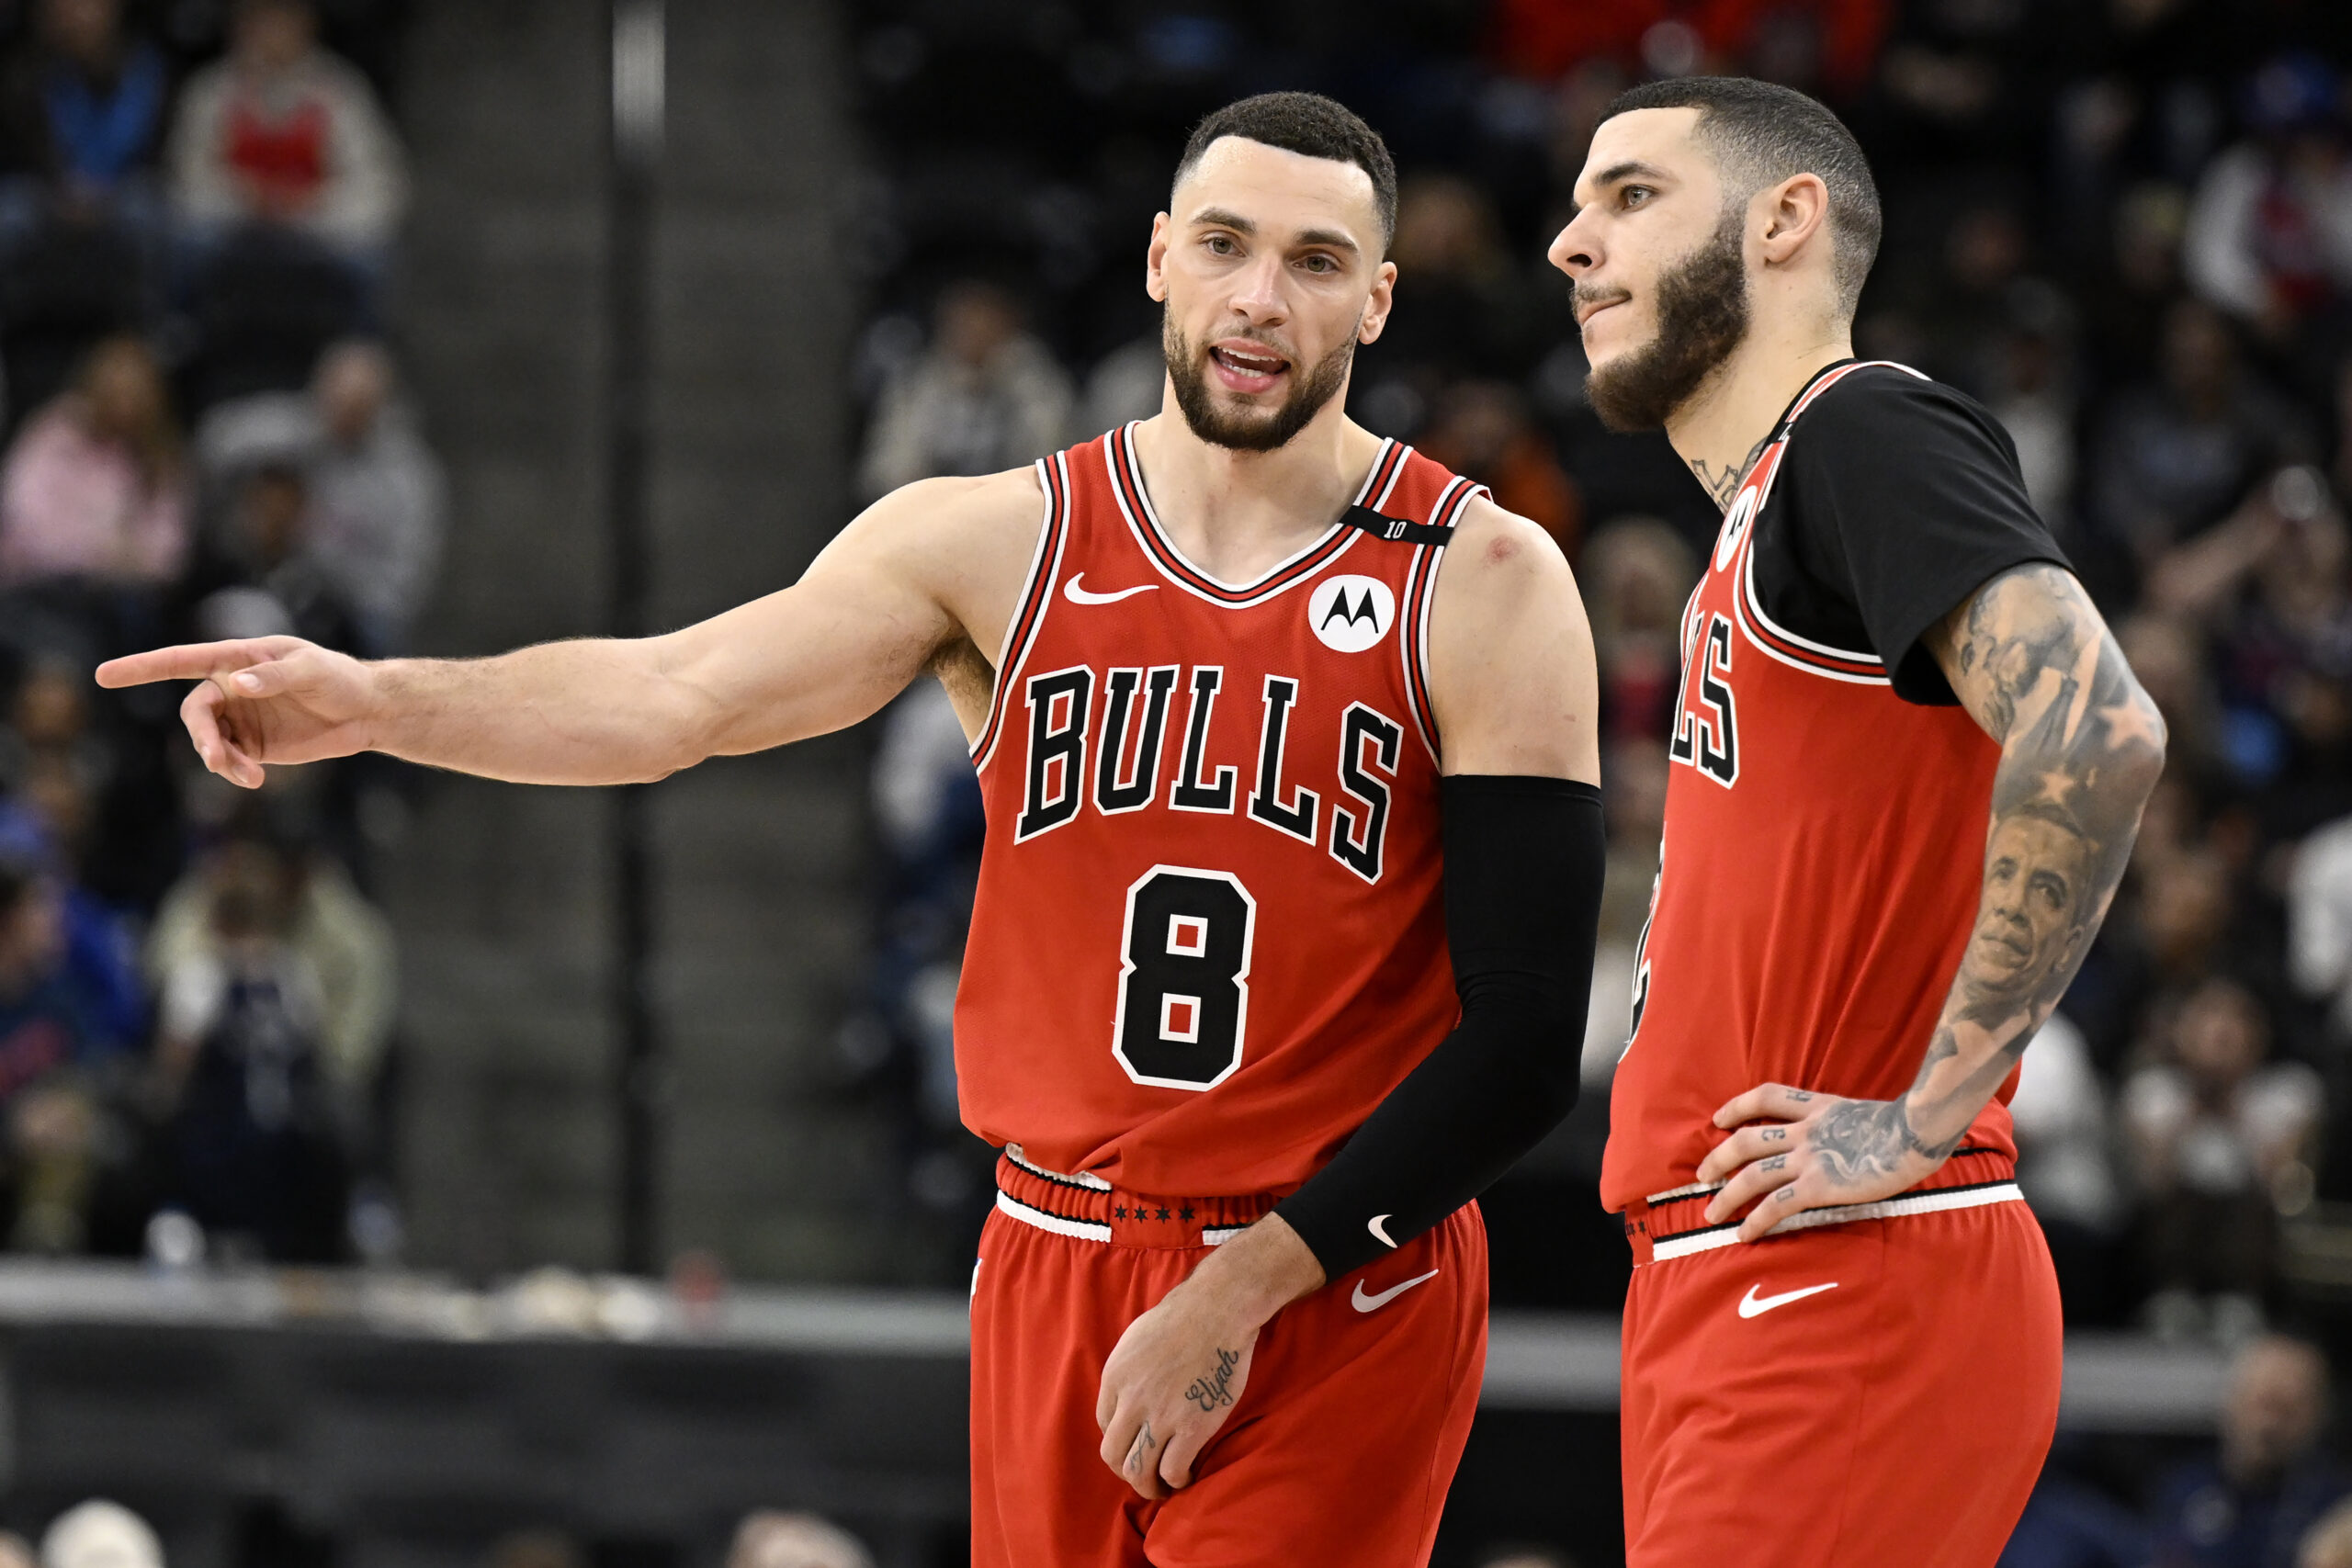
x,y
1413,615
1036,596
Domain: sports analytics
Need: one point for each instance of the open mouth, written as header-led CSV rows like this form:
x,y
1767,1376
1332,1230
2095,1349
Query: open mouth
x,y
1247,366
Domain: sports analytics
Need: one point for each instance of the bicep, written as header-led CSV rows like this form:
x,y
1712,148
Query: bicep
x,y
2031,658
870,613
1512,672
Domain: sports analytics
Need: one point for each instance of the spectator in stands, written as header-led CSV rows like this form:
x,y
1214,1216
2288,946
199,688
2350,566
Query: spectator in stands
x,y
2250,1503
2319,923
1638,572
95,486
2066,1166
335,947
2328,1544
987,396
1466,310
59,1034
82,108
100,1534
2175,455
1128,383
768,1538
1482,430
283,134
375,500
2270,237
2213,1129
260,1153
260,573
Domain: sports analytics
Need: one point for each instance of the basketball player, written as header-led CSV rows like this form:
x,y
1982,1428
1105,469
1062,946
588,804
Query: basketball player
x,y
1233,676
1908,767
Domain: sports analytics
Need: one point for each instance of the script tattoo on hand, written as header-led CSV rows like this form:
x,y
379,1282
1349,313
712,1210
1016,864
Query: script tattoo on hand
x,y
1140,1451
2081,747
1215,1389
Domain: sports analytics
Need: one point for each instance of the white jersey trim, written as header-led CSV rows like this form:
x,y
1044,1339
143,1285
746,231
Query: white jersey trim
x,y
1151,519
1043,574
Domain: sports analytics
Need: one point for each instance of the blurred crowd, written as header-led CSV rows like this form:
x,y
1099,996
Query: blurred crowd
x,y
101,1533
2124,225
202,435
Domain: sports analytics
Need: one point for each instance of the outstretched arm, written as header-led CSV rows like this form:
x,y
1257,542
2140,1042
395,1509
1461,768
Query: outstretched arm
x,y
931,564
2081,747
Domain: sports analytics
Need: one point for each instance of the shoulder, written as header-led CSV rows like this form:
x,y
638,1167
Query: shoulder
x,y
1898,414
1498,554
938,529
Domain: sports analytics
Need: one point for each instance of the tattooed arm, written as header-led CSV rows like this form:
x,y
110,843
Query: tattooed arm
x,y
2081,746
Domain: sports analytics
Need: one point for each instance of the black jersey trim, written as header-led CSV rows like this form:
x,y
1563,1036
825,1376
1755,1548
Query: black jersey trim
x,y
1037,594
1134,505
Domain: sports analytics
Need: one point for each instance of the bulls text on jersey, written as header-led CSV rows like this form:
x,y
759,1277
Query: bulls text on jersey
x,y
1100,739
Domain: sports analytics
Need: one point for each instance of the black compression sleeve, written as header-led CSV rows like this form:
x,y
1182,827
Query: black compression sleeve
x,y
1524,859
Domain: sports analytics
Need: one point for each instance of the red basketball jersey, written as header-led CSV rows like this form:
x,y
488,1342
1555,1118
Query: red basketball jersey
x,y
1823,861
1207,938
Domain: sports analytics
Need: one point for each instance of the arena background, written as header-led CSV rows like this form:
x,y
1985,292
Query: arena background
x,y
406,1170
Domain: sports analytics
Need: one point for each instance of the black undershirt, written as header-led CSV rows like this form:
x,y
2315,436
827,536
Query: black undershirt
x,y
1897,499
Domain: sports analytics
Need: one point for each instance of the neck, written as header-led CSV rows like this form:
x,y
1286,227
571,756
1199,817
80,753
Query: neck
x,y
1238,513
1719,430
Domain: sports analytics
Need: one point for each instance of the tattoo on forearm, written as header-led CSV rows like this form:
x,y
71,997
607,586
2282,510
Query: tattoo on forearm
x,y
2081,746
1216,1388
1723,483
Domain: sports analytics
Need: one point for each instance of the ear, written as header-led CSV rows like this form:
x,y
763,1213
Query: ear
x,y
1792,214
1155,259
1374,319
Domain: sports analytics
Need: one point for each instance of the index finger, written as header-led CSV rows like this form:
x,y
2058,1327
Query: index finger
x,y
188,661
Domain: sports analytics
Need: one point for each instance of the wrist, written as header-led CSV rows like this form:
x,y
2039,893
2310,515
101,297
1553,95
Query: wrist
x,y
1258,1273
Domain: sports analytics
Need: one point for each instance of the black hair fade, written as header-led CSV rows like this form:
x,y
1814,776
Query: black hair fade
x,y
1311,125
1762,133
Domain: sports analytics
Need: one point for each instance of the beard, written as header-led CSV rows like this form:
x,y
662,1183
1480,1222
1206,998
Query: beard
x,y
1248,429
1701,317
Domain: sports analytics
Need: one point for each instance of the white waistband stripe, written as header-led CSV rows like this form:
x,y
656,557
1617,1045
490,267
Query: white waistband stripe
x,y
1885,1209
1087,1230
1081,1179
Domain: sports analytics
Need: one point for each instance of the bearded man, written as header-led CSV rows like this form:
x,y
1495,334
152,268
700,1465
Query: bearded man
x,y
1909,764
1240,679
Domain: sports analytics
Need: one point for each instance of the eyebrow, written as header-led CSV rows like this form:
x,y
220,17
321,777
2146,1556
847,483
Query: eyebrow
x,y
1220,218
1630,169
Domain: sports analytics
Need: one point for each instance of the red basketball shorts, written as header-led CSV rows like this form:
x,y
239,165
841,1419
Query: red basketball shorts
x,y
1342,1446
1882,1391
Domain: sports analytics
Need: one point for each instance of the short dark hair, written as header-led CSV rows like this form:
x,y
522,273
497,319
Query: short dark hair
x,y
1313,126
1761,133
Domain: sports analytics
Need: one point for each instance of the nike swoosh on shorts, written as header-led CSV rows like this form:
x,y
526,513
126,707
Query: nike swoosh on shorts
x,y
1754,1305
1363,1303
1077,595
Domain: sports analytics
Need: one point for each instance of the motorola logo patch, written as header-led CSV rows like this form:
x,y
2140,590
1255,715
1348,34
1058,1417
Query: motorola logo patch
x,y
1350,614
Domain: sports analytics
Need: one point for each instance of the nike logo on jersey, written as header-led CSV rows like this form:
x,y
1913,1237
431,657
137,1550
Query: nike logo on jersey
x,y
1754,1305
1378,1226
1368,1303
1077,595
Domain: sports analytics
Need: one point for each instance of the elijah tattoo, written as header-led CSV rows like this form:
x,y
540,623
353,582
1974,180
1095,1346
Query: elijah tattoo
x,y
1216,1390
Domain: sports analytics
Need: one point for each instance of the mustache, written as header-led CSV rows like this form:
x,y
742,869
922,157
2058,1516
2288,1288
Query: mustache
x,y
1585,294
